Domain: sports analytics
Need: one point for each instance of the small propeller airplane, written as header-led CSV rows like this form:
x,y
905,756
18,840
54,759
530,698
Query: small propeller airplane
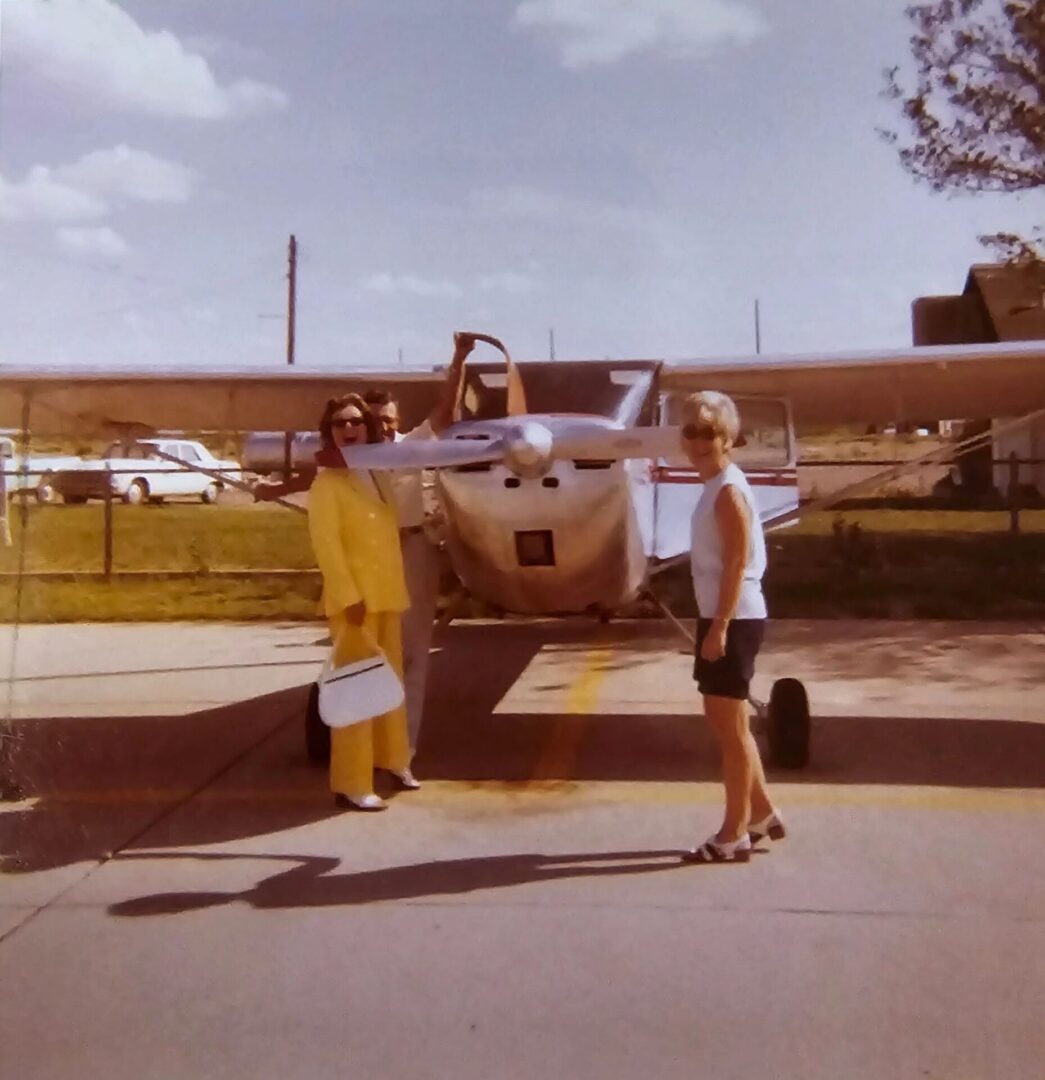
x,y
563,483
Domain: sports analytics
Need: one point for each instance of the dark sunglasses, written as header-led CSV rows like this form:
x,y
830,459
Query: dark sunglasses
x,y
701,431
347,421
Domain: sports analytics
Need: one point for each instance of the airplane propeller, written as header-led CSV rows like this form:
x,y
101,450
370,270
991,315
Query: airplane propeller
x,y
527,448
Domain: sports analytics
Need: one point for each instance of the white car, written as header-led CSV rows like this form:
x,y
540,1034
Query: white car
x,y
37,475
134,472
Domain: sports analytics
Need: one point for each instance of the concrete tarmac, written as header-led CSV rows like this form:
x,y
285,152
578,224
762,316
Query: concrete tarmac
x,y
182,899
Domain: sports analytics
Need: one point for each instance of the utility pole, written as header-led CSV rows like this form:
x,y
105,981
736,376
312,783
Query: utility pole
x,y
292,297
551,344
292,290
758,330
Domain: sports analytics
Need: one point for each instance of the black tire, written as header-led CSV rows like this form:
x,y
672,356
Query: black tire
x,y
137,493
74,500
789,724
317,734
210,494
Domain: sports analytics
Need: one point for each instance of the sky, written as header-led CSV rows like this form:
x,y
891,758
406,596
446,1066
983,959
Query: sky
x,y
630,174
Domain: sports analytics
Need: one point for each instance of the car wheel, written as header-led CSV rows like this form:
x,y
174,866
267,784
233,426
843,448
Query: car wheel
x,y
74,500
45,493
210,494
137,493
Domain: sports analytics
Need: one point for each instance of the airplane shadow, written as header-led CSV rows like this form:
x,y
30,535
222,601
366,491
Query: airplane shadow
x,y
97,785
310,884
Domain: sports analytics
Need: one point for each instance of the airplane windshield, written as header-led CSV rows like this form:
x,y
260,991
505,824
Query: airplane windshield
x,y
593,388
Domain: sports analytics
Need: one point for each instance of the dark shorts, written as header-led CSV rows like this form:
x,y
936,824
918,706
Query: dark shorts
x,y
730,675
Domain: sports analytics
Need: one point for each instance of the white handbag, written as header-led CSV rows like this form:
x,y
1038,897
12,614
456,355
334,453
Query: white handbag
x,y
358,691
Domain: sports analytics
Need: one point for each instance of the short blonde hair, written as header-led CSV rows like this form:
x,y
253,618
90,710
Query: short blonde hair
x,y
716,410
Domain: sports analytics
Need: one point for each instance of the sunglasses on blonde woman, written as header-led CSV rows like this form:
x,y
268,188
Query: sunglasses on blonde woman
x,y
699,431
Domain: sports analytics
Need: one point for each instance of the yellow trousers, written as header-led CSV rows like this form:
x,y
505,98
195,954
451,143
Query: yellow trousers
x,y
383,742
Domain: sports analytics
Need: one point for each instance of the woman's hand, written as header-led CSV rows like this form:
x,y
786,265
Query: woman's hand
x,y
356,614
713,646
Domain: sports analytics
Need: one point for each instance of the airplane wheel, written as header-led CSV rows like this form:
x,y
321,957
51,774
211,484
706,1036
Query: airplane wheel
x,y
317,734
789,724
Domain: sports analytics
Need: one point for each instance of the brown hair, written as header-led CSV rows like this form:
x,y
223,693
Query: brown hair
x,y
379,398
335,405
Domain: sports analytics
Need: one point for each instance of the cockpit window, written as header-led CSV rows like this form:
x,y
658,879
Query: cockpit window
x,y
599,388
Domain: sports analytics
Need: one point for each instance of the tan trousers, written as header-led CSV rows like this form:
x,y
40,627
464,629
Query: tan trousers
x,y
422,582
381,743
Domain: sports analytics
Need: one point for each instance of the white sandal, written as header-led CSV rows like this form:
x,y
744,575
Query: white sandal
x,y
771,826
716,851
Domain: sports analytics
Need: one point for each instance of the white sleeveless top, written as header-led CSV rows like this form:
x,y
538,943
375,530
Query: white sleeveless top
x,y
706,550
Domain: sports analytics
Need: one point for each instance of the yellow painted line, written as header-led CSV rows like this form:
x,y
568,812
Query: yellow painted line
x,y
585,792
559,755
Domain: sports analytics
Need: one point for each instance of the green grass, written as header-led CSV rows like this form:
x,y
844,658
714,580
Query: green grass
x,y
171,537
902,563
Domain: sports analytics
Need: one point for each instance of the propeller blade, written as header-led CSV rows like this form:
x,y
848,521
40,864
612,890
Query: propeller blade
x,y
516,405
422,454
590,443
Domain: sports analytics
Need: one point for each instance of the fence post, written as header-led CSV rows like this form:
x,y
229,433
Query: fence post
x,y
107,557
5,518
1014,493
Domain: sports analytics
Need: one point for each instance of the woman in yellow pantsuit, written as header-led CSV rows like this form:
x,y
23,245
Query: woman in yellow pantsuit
x,y
355,536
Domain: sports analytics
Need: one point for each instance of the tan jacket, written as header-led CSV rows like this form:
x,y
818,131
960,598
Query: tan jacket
x,y
355,536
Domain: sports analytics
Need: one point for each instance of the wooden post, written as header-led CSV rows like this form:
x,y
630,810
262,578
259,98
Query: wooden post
x,y
107,556
5,518
1014,493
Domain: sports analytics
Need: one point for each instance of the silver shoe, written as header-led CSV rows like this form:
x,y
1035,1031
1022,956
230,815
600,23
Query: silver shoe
x,y
406,779
368,802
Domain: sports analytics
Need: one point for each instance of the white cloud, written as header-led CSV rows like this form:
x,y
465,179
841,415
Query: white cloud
x,y
589,32
41,196
100,241
94,48
134,174
508,281
84,189
409,284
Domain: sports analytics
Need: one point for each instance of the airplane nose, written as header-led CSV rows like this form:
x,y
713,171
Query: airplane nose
x,y
528,449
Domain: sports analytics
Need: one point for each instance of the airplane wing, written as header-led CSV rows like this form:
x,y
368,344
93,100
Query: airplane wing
x,y
935,382
80,401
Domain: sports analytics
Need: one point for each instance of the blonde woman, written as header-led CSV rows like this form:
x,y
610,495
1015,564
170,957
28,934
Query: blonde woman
x,y
355,536
728,560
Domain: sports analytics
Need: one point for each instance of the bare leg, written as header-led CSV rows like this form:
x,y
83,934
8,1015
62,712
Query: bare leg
x,y
761,807
742,772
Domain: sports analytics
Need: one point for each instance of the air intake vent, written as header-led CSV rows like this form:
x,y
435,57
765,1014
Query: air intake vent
x,y
593,464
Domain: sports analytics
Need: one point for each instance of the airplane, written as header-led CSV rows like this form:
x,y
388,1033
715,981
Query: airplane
x,y
563,484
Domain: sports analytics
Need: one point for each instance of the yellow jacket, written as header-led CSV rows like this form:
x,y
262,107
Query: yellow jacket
x,y
355,535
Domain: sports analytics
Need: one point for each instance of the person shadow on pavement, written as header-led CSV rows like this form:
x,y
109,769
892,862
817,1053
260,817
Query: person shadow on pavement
x,y
310,883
